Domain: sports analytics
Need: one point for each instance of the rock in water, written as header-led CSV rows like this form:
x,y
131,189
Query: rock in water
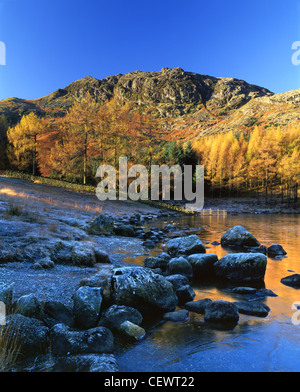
x,y
141,288
202,265
291,280
180,265
241,267
238,237
276,250
221,314
253,308
185,246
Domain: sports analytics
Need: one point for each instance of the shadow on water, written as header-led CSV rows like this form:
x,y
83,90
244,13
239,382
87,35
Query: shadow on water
x,y
255,344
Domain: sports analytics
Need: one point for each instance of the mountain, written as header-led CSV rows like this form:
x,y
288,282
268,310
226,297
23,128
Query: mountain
x,y
190,104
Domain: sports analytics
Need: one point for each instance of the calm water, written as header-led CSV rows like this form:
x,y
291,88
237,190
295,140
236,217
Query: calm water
x,y
256,344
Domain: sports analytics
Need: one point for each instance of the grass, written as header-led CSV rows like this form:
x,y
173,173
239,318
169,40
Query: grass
x,y
10,349
51,182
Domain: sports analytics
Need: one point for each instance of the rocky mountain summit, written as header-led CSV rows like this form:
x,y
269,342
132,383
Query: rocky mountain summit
x,y
189,104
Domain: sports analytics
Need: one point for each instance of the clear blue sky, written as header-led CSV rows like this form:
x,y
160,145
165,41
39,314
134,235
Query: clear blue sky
x,y
50,44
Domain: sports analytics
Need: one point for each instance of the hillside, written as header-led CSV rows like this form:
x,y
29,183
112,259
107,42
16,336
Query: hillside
x,y
190,104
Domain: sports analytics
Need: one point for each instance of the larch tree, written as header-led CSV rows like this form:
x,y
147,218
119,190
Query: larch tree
x,y
24,137
77,134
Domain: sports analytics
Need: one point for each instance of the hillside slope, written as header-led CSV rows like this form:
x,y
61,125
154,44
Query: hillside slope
x,y
190,104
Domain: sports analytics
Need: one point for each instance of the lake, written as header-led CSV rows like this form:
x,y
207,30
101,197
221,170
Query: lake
x,y
270,344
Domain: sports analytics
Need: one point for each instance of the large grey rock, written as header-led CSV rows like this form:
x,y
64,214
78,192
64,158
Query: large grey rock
x,y
242,267
198,306
185,246
238,237
221,314
102,225
66,341
180,265
87,363
159,261
79,253
29,306
102,278
202,264
57,313
115,315
125,230
141,288
27,335
87,304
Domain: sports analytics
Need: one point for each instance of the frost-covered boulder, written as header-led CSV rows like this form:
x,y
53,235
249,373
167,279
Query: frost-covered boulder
x,y
87,304
102,225
27,335
244,267
238,237
115,315
66,341
141,288
185,245
28,305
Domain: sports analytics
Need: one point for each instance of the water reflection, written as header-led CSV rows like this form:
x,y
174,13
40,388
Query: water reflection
x,y
256,344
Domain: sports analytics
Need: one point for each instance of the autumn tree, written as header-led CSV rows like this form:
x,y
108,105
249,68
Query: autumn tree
x,y
77,135
3,142
24,137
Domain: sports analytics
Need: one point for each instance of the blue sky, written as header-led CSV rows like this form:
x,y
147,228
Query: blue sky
x,y
50,44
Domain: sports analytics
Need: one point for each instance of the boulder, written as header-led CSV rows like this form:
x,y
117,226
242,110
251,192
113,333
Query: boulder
x,y
66,341
87,304
221,314
79,253
29,336
291,280
125,230
115,315
243,267
132,331
180,265
101,256
198,306
102,279
253,308
185,246
177,281
57,313
141,288
177,316
87,363
238,237
276,250
244,290
159,261
29,306
202,264
185,293
102,225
